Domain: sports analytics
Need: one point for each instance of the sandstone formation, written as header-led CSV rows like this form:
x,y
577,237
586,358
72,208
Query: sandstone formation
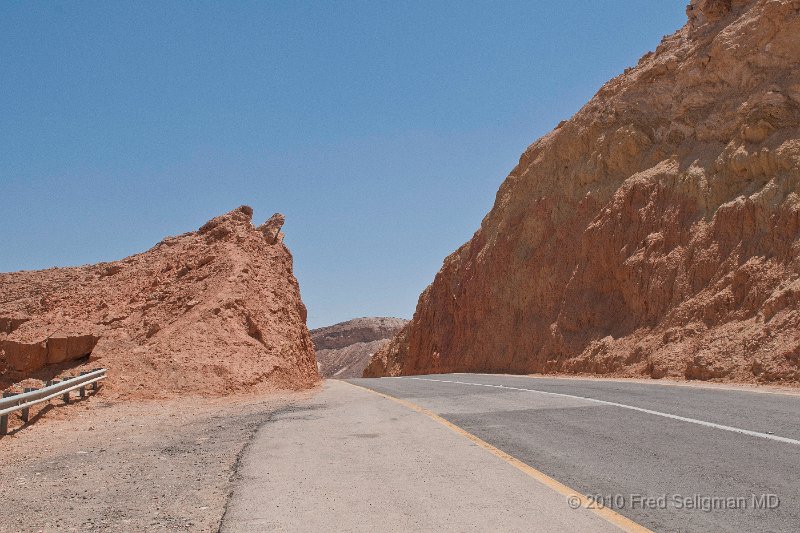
x,y
36,345
654,233
344,350
212,312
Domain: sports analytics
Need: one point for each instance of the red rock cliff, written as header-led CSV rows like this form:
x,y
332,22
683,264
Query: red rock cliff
x,y
655,233
211,312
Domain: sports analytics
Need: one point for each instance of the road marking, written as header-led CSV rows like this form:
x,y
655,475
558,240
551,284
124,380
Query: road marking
x,y
758,434
622,522
664,382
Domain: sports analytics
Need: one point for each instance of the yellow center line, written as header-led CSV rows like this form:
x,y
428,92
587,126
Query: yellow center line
x,y
622,522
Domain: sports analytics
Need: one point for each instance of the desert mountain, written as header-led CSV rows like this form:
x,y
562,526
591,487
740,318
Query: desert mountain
x,y
344,349
655,233
210,312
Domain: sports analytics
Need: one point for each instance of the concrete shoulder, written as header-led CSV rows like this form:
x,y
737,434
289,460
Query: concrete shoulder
x,y
349,460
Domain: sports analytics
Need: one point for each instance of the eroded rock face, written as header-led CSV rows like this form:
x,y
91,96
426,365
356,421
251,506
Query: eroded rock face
x,y
344,350
30,356
654,233
217,311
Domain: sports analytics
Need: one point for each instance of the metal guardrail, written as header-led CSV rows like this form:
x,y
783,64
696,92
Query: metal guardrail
x,y
12,402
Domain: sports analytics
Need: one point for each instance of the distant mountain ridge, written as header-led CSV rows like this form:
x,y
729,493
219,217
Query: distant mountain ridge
x,y
344,349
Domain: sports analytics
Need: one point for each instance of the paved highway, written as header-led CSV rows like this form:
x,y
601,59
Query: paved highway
x,y
669,457
474,452
351,460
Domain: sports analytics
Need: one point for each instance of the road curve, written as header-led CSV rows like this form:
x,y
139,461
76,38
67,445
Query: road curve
x,y
671,458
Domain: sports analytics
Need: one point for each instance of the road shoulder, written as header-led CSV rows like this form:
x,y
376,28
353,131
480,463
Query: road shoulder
x,y
129,466
349,460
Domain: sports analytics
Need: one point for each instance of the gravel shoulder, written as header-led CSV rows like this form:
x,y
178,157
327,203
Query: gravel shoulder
x,y
134,466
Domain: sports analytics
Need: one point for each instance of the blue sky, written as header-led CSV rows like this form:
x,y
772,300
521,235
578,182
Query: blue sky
x,y
382,130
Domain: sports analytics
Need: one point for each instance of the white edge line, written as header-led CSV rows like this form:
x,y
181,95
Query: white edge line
x,y
664,382
631,407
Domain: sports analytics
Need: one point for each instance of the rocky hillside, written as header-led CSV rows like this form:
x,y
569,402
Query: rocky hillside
x,y
211,312
655,233
344,349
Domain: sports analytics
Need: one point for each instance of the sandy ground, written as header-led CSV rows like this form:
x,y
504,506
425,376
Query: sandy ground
x,y
144,466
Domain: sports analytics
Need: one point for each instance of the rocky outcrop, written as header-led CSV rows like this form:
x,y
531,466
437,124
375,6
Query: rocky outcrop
x,y
216,311
272,228
654,233
35,346
344,350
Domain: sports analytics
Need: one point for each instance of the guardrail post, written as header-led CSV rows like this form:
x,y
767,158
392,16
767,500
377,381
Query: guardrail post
x,y
4,418
65,396
96,384
21,403
27,411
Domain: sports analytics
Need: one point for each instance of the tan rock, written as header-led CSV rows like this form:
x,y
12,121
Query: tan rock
x,y
33,356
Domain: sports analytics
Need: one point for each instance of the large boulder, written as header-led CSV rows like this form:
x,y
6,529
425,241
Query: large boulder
x,y
32,356
61,348
37,343
25,357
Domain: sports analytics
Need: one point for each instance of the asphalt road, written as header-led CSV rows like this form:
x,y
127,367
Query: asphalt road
x,y
350,460
651,452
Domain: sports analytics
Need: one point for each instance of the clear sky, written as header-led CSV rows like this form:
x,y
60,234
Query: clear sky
x,y
382,130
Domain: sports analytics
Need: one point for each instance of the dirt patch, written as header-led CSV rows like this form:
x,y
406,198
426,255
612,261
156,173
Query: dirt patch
x,y
104,466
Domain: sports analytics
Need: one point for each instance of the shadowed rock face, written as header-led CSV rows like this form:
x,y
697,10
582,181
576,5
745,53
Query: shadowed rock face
x,y
211,312
344,350
655,233
9,323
